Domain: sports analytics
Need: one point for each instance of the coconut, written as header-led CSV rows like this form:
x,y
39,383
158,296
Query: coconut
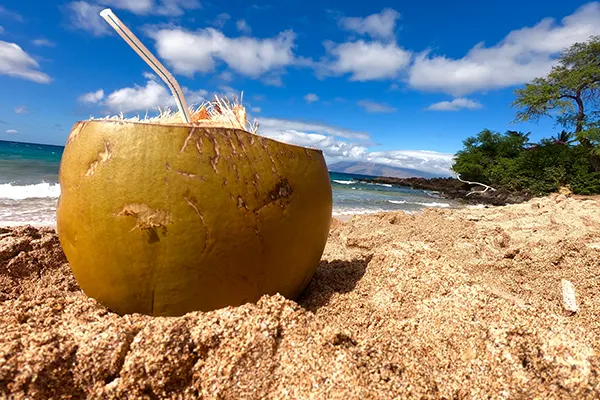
x,y
161,217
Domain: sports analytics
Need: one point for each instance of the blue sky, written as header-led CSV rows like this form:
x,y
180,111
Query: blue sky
x,y
401,83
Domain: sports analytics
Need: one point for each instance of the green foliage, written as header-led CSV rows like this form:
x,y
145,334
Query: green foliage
x,y
509,161
570,92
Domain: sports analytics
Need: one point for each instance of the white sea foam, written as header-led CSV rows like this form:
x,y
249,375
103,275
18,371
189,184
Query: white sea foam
x,y
39,190
357,211
439,205
344,182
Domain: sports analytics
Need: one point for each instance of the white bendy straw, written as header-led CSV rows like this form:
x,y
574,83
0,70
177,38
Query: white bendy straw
x,y
147,56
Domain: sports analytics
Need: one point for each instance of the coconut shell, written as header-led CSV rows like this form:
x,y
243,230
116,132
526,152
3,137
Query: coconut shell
x,y
165,219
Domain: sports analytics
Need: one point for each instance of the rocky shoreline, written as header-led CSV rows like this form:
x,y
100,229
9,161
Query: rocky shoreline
x,y
454,189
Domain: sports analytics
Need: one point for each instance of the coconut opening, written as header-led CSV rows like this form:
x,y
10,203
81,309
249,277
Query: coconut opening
x,y
221,112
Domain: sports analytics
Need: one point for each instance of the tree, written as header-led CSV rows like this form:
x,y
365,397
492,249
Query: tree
x,y
502,161
563,138
571,91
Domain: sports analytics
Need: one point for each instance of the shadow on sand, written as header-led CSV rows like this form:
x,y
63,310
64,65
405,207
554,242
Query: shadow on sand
x,y
331,277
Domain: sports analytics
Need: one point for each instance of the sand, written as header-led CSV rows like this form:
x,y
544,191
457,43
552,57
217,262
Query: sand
x,y
443,304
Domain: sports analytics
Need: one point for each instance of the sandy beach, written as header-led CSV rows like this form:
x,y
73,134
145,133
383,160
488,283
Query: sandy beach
x,y
447,304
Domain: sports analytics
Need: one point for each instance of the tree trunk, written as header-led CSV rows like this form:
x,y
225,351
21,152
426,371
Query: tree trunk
x,y
593,159
580,113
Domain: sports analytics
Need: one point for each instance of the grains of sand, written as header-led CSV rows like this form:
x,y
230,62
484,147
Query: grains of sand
x,y
444,304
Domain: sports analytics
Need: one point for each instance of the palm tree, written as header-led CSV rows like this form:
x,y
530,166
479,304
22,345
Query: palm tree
x,y
524,139
564,138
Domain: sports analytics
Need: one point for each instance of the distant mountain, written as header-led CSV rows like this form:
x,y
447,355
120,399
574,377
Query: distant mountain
x,y
365,168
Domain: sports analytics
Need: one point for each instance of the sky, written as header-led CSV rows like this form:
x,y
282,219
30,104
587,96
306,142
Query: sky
x,y
398,83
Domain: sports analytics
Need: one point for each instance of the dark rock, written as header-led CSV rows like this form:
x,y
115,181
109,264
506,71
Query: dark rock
x,y
451,188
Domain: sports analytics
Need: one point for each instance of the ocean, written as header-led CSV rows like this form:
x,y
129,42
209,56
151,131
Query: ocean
x,y
29,189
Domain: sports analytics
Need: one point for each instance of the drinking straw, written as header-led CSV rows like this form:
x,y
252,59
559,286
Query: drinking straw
x,y
152,61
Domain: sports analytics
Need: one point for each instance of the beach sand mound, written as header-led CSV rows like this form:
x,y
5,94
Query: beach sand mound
x,y
445,304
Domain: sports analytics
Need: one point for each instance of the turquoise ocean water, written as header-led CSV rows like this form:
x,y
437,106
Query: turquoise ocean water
x,y
29,188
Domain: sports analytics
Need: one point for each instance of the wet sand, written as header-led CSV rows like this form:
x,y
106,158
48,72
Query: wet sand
x,y
442,304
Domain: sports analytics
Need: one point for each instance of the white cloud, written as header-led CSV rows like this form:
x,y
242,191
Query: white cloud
x,y
21,110
173,8
365,61
221,20
256,109
43,42
17,63
11,131
134,6
226,76
11,14
1,29
92,97
522,55
243,27
273,80
288,125
86,16
381,25
373,107
335,150
311,98
191,52
147,98
423,160
230,92
455,105
149,75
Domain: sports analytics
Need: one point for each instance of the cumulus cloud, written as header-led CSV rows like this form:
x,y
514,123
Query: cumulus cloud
x,y
199,52
522,55
86,16
92,97
151,96
11,14
21,110
333,149
381,25
140,98
274,124
365,61
226,76
17,63
311,98
172,8
43,42
373,107
243,27
455,105
323,137
423,160
221,20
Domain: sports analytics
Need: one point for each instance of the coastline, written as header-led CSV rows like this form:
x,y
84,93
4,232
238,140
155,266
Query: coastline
x,y
442,303
451,188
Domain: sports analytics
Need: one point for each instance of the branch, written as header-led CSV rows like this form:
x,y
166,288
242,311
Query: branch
x,y
476,183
